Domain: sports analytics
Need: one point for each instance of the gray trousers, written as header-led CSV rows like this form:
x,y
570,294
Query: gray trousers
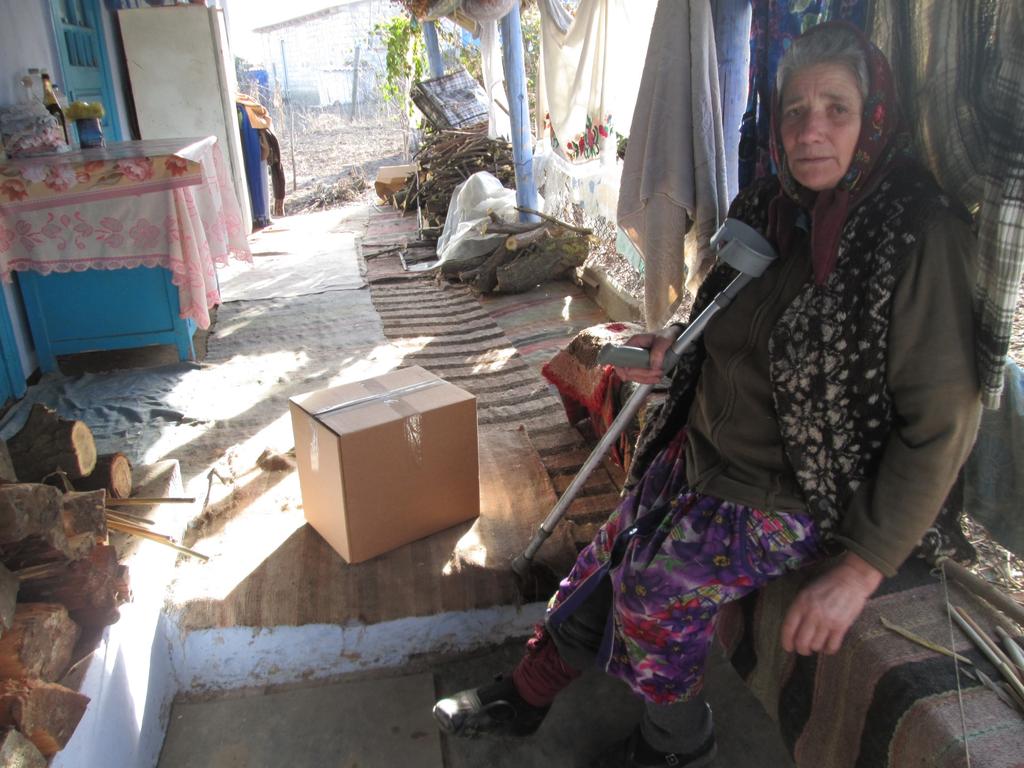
x,y
679,727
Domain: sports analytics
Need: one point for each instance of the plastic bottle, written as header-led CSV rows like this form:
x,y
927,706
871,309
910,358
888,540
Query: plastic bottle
x,y
30,87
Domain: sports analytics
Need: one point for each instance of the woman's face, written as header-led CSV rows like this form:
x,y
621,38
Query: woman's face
x,y
821,109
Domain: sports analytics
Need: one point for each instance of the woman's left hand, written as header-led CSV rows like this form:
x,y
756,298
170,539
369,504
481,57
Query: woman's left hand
x,y
825,609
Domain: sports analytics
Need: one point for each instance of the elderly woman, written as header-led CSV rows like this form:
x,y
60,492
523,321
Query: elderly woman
x,y
824,414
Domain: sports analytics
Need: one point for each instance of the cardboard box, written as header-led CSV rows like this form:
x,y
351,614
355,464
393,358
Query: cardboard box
x,y
391,178
386,461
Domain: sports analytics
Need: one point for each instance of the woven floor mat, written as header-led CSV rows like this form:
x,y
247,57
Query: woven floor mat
x,y
445,330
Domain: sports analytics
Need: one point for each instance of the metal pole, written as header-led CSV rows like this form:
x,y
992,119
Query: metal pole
x,y
519,111
291,113
355,84
433,49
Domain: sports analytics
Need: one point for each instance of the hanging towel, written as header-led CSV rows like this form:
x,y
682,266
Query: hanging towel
x,y
498,122
674,194
589,73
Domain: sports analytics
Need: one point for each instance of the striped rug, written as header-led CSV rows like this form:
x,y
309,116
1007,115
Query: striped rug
x,y
446,331
881,701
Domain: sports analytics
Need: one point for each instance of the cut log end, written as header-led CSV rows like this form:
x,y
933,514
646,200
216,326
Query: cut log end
x,y
47,443
113,474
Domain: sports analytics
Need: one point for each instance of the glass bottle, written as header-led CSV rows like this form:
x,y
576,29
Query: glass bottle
x,y
52,104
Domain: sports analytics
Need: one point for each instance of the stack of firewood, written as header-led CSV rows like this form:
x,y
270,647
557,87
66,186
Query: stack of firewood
x,y
60,581
445,160
530,254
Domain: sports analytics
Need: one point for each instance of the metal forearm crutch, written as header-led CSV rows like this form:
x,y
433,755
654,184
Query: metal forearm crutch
x,y
742,248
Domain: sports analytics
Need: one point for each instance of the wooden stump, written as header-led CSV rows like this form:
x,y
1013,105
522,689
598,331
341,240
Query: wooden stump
x,y
47,443
91,588
84,518
31,531
16,751
113,474
40,643
47,713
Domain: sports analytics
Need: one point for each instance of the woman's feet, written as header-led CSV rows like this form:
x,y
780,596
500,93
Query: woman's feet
x,y
495,709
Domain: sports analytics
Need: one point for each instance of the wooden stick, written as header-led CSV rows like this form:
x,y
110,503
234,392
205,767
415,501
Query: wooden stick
x,y
143,533
960,617
126,527
982,589
134,501
553,220
992,644
1012,649
906,633
129,517
1001,691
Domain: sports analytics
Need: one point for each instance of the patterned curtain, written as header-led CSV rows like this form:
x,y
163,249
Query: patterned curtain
x,y
960,70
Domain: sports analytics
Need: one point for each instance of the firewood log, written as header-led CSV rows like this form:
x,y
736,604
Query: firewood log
x,y
486,277
16,751
47,713
90,588
31,530
520,241
47,442
113,474
546,260
8,599
7,473
40,643
84,518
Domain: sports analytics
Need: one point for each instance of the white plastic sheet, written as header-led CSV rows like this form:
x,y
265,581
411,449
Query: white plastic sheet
x,y
473,201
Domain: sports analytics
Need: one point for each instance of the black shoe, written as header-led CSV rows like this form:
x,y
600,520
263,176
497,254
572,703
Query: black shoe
x,y
640,754
496,709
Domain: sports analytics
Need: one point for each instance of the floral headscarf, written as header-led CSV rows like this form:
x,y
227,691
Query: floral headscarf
x,y
882,143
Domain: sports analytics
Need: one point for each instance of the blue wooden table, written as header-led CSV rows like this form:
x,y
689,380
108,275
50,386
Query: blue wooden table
x,y
116,248
103,310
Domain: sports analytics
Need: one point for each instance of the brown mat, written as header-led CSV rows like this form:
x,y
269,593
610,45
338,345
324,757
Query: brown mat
x,y
447,332
463,568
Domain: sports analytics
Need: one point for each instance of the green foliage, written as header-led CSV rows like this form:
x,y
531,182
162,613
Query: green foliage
x,y
405,60
449,35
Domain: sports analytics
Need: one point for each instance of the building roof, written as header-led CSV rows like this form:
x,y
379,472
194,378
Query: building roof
x,y
295,21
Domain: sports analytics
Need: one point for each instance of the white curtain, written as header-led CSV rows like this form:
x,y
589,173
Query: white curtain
x,y
498,122
590,70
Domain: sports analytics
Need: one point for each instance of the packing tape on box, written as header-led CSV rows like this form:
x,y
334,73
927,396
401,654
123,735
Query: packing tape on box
x,y
391,397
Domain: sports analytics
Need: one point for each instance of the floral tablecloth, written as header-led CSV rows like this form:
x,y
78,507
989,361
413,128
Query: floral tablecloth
x,y
162,203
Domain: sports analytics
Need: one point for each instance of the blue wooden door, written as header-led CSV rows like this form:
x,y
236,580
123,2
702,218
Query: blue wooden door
x,y
83,57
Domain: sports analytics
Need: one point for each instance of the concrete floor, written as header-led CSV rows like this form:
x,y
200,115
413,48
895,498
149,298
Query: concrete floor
x,y
383,720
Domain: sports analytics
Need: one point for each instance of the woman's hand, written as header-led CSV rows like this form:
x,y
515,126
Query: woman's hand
x,y
825,609
658,346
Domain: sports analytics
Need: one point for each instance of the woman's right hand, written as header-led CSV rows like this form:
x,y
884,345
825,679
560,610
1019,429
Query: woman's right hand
x,y
658,346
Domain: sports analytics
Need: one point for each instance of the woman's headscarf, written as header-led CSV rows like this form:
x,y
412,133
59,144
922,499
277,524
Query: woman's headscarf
x,y
882,143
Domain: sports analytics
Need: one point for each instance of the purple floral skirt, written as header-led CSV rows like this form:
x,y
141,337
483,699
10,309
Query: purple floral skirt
x,y
674,557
